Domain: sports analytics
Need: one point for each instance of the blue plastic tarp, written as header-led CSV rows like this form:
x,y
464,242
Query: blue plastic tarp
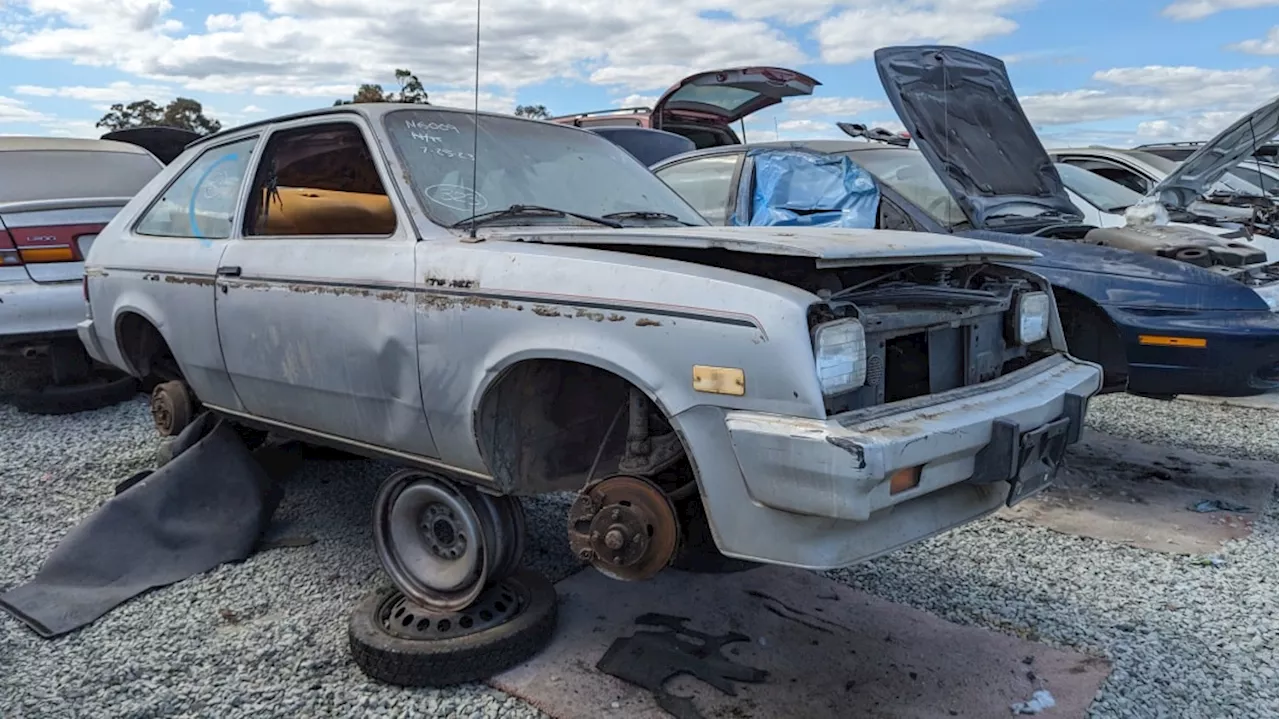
x,y
806,189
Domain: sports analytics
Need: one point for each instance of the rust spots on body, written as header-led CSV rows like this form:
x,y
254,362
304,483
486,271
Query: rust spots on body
x,y
545,311
187,280
589,314
428,301
615,317
646,322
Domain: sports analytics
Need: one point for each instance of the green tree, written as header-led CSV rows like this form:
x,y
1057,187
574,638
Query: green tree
x,y
537,112
411,90
182,112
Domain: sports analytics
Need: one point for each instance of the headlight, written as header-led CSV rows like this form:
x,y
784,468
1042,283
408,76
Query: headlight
x,y
1031,318
840,352
1270,294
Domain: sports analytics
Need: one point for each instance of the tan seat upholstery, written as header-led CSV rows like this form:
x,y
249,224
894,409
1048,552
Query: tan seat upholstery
x,y
307,211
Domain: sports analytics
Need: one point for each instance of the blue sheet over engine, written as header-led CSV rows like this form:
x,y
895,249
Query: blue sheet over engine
x,y
804,189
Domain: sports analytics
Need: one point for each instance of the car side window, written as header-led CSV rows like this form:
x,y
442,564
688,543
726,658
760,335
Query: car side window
x,y
201,202
705,183
318,180
1116,173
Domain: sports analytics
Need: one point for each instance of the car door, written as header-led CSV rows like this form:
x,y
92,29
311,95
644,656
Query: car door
x,y
315,304
706,183
161,267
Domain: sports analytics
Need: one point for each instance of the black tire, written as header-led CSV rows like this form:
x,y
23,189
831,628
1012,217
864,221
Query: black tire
x,y
102,390
69,363
445,662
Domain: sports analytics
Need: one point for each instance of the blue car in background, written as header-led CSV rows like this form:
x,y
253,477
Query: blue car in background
x,y
1204,324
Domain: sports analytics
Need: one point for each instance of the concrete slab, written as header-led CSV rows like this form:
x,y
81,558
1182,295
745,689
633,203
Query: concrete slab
x,y
829,652
1119,490
1268,400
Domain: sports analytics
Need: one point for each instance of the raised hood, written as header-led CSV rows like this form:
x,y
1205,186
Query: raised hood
x,y
829,247
963,114
1207,165
732,94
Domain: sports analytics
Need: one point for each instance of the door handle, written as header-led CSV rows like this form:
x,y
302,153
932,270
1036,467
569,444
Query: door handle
x,y
229,271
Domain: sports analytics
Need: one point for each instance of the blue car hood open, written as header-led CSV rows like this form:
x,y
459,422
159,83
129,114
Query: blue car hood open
x,y
795,188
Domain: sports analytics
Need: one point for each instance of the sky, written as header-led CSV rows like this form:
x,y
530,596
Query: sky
x,y
1115,72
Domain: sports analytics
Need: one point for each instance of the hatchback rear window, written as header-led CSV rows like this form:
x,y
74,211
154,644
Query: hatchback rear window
x,y
58,174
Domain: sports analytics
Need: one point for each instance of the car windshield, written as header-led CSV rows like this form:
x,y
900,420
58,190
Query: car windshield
x,y
909,174
524,162
1097,190
1249,180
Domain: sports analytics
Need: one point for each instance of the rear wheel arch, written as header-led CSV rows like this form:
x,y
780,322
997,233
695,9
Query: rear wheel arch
x,y
143,347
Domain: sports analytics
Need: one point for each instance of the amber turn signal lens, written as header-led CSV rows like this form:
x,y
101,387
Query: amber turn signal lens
x,y
46,254
904,479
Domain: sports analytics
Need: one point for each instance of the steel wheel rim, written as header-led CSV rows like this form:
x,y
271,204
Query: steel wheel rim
x,y
431,541
162,411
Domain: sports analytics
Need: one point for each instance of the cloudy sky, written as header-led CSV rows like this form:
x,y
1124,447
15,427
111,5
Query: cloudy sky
x,y
1098,71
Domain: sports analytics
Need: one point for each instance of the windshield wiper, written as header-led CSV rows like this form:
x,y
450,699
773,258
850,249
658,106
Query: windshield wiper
x,y
531,211
645,215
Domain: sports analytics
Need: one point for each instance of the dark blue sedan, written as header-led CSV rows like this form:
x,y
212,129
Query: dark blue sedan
x,y
1158,326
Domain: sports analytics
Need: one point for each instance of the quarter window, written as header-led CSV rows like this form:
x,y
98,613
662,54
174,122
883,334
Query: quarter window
x,y
319,180
704,183
201,202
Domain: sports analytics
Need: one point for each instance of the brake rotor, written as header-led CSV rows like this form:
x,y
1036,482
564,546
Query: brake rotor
x,y
625,526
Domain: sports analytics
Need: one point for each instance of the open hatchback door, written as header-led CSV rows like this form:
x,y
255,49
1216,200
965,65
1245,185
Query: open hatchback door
x,y
961,111
730,95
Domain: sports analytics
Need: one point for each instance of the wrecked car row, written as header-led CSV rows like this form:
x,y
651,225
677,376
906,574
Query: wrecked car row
x,y
721,382
1166,308
810,398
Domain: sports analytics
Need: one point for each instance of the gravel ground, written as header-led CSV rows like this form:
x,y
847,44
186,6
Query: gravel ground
x,y
267,637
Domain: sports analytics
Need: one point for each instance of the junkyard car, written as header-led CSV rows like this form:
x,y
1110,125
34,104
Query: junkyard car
x,y
56,195
534,311
1159,325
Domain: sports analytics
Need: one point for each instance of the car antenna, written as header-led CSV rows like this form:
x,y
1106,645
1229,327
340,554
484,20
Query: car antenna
x,y
475,131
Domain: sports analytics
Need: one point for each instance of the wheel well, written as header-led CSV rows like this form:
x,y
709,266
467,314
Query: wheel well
x,y
144,349
541,425
1092,336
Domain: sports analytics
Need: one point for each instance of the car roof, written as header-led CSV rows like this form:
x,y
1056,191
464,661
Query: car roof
x,y
820,146
372,111
32,143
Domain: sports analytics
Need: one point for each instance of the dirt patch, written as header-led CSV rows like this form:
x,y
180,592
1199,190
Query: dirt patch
x,y
1119,490
829,652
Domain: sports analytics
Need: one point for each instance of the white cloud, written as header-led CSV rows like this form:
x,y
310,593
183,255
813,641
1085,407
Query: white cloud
x,y
1153,91
59,127
855,33
325,48
1201,126
252,110
122,92
1268,45
841,108
465,99
634,100
1199,9
14,110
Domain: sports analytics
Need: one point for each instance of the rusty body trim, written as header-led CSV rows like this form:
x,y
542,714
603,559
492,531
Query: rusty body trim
x,y
356,446
600,304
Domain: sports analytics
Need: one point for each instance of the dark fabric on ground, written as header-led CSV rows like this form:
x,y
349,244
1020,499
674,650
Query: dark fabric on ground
x,y
208,506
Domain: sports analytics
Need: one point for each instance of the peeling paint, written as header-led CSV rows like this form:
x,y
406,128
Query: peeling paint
x,y
151,278
545,311
646,322
615,317
590,314
188,280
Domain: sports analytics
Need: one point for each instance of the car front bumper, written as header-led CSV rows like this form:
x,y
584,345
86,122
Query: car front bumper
x,y
32,313
817,493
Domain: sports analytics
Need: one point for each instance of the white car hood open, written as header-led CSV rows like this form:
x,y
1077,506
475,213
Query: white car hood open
x,y
829,247
1207,165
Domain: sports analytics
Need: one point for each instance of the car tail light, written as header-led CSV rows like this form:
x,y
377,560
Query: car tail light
x,y
9,256
57,243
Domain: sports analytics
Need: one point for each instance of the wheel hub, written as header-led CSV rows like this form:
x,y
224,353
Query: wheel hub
x,y
625,527
496,605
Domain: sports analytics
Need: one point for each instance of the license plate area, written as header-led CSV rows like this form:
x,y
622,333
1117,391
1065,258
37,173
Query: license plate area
x,y
1038,454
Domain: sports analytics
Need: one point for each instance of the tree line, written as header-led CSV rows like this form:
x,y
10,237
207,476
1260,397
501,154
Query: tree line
x,y
188,114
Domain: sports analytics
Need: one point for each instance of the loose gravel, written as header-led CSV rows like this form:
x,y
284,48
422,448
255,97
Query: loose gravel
x,y
267,637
